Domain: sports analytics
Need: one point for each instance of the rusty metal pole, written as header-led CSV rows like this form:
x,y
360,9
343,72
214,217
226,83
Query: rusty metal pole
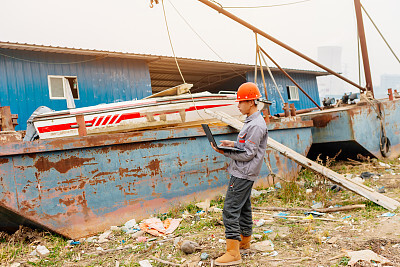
x,y
390,94
290,78
363,44
276,41
80,120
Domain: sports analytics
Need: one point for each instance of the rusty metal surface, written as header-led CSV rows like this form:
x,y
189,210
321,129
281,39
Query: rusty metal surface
x,y
359,124
83,185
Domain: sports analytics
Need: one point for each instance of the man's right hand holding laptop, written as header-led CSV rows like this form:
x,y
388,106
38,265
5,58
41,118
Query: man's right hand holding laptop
x,y
226,143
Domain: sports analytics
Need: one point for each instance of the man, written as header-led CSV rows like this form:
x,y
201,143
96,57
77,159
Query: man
x,y
244,169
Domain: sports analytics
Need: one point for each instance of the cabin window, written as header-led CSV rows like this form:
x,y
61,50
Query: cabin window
x,y
58,86
293,93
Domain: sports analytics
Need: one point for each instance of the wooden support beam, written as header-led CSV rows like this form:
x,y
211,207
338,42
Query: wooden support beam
x,y
6,119
335,177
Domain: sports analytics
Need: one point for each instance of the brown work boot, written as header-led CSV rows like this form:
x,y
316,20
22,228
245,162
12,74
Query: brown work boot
x,y
245,243
232,254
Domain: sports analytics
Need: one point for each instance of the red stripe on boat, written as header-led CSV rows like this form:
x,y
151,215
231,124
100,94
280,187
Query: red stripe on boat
x,y
99,121
106,120
113,118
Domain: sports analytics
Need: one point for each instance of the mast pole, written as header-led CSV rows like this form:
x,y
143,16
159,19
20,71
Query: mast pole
x,y
363,44
276,41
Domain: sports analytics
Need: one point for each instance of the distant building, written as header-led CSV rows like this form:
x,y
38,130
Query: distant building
x,y
37,75
331,57
390,81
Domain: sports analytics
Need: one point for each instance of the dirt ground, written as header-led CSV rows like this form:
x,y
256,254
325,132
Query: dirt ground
x,y
322,241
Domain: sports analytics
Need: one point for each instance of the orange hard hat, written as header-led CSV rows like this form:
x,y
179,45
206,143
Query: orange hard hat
x,y
248,91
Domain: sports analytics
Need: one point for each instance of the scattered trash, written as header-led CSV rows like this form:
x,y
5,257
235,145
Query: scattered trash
x,y
72,242
358,179
314,213
141,239
221,240
308,191
204,256
137,234
115,228
272,254
255,193
380,190
264,246
336,188
189,247
215,209
260,222
365,255
15,264
103,237
42,251
91,239
387,214
346,217
177,241
131,223
282,215
387,166
204,205
367,175
257,236
317,205
278,186
145,263
309,217
268,231
332,240
396,246
156,227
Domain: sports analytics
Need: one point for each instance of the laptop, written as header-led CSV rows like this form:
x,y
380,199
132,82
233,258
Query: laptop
x,y
212,140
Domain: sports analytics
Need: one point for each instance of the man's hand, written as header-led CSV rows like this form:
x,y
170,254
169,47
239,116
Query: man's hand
x,y
227,143
216,149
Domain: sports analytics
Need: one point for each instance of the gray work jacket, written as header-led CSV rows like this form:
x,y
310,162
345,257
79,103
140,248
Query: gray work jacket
x,y
253,139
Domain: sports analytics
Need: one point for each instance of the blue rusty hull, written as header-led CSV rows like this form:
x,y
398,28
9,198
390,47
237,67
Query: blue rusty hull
x,y
357,125
82,185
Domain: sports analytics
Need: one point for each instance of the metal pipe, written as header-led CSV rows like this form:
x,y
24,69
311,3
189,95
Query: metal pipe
x,y
290,78
276,41
363,44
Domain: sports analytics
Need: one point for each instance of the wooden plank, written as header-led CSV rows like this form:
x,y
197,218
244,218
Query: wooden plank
x,y
6,122
337,178
177,90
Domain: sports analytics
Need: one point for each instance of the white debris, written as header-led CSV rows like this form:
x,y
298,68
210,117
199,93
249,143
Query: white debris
x,y
365,255
131,223
215,209
221,240
103,237
114,228
15,264
42,251
145,263
204,205
260,222
308,191
264,246
387,166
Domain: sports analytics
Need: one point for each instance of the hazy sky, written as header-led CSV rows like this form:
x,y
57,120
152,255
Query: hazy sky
x,y
132,26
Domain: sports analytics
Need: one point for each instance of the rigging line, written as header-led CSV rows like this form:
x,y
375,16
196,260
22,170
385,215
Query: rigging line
x,y
198,35
176,61
170,42
277,5
55,63
272,77
376,27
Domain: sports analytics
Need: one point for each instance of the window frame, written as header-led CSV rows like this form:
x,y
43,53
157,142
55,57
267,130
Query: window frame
x,y
62,77
289,91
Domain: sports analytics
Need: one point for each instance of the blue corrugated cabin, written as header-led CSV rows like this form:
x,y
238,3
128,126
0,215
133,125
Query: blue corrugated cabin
x,y
35,75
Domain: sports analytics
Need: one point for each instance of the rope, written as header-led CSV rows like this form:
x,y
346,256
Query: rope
x,y
176,61
54,63
198,35
376,27
170,42
277,5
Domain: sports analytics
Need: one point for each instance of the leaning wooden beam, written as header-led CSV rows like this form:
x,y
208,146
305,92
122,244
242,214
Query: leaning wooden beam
x,y
337,178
